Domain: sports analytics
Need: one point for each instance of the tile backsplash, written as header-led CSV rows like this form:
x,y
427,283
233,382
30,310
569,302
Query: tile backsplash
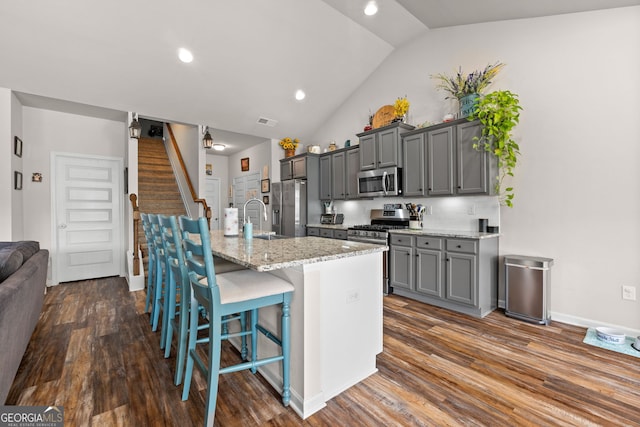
x,y
447,213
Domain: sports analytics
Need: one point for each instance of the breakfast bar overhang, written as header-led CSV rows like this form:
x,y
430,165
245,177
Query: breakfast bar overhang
x,y
336,310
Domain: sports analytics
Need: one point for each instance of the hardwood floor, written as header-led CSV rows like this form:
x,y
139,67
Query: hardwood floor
x,y
94,353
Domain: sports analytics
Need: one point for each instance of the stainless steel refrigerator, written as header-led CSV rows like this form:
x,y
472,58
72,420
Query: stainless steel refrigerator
x,y
289,207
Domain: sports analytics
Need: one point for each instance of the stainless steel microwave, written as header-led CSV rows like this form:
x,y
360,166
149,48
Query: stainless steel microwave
x,y
380,182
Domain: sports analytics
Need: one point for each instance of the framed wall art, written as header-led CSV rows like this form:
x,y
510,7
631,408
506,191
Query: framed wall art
x,y
17,146
265,200
244,164
265,185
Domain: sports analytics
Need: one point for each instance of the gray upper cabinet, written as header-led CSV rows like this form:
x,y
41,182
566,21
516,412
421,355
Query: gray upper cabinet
x,y
381,148
414,165
351,174
368,155
299,167
440,162
325,177
293,167
286,169
338,174
473,165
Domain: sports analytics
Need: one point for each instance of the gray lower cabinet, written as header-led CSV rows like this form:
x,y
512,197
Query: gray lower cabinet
x,y
330,233
457,274
401,262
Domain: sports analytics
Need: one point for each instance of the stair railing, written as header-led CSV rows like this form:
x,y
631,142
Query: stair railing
x,y
136,224
196,199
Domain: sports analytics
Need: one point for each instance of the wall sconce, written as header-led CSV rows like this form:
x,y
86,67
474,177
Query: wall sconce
x,y
134,128
207,141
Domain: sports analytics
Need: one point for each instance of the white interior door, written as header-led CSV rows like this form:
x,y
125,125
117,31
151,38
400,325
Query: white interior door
x,y
212,195
244,188
88,217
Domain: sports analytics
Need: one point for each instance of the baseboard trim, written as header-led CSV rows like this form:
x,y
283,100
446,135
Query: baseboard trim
x,y
589,323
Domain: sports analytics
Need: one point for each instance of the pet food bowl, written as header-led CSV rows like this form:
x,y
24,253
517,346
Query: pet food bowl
x,y
610,335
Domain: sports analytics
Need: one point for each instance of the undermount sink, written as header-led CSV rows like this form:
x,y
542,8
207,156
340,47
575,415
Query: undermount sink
x,y
271,236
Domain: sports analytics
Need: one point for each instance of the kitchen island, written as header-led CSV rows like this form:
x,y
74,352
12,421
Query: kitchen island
x,y
336,310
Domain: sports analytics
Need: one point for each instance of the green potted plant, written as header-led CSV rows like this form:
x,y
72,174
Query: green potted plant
x,y
499,113
467,88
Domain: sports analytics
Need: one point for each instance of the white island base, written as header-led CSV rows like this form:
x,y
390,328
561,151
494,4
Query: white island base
x,y
336,328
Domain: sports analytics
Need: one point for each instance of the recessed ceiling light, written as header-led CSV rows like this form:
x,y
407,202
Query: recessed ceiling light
x,y
371,8
300,94
185,55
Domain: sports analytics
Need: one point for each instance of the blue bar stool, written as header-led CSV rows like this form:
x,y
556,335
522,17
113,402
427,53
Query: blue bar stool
x,y
151,256
159,276
226,294
177,314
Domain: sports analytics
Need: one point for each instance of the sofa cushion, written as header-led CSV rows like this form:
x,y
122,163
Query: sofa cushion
x,y
10,262
26,247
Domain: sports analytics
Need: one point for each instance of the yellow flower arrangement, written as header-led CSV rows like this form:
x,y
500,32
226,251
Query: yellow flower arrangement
x,y
401,106
289,144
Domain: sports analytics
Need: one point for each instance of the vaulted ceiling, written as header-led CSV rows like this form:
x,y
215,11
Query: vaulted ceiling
x,y
250,56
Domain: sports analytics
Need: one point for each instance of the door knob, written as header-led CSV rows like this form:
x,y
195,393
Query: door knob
x,y
62,226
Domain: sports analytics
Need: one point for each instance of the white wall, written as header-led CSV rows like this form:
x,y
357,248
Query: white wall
x,y
578,179
220,165
6,164
47,131
17,196
259,157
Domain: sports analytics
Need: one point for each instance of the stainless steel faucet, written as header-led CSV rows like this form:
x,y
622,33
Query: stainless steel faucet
x,y
244,211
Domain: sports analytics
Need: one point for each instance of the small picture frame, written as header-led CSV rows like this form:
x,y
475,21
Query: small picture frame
x,y
36,177
265,200
17,146
17,180
209,169
265,185
244,164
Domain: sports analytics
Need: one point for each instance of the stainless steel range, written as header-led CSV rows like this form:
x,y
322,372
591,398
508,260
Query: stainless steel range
x,y
392,217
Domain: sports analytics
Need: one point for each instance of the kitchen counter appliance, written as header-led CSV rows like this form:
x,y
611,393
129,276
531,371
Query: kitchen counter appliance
x,y
392,217
380,182
331,219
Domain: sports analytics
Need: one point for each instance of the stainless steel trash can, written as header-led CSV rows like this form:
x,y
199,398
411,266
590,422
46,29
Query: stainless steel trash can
x,y
526,280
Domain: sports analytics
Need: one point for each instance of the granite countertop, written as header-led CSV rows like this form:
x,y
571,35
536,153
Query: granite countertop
x,y
465,234
332,226
267,255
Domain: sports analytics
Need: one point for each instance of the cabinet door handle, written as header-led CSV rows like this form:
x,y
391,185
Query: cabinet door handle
x,y
458,246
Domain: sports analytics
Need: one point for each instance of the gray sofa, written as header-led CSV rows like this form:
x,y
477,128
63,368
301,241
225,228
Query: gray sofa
x,y
23,275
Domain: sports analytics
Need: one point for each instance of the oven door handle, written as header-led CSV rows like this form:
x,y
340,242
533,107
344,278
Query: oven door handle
x,y
365,240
